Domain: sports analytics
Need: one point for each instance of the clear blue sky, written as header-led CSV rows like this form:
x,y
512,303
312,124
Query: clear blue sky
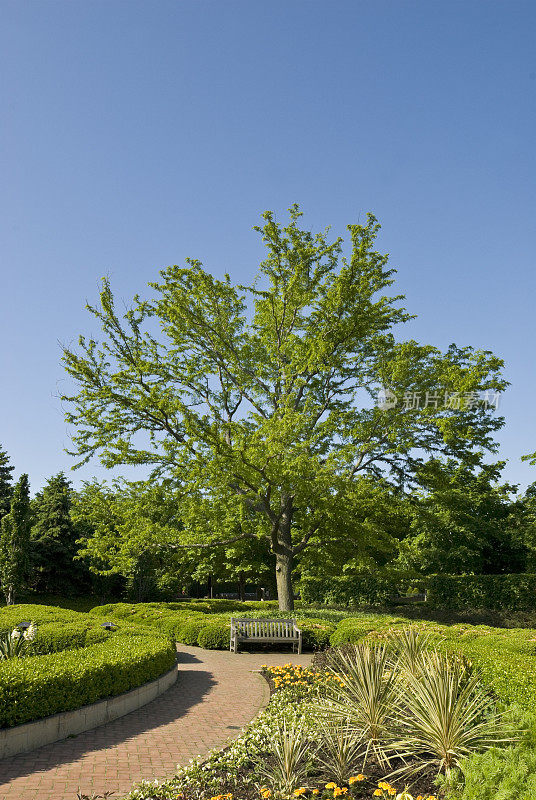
x,y
135,134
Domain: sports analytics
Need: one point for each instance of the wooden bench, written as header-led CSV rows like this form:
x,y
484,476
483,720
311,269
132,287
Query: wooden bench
x,y
275,631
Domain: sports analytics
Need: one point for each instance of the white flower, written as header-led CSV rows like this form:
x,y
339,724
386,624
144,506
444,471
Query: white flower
x,y
29,634
15,634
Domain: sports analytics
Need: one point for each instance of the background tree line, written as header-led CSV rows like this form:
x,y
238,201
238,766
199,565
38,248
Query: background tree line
x,y
119,540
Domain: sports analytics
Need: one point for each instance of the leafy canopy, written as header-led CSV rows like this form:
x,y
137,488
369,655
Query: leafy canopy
x,y
258,401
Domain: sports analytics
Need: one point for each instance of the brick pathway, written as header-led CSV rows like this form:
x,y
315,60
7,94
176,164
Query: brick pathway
x,y
216,694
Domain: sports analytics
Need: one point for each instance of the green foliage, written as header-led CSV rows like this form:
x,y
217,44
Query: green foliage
x,y
53,541
184,622
464,521
496,592
370,587
190,631
6,481
257,393
506,773
124,529
75,661
315,632
36,687
505,658
15,540
215,636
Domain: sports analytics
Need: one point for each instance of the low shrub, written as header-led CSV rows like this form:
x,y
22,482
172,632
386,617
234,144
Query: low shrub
x,y
188,634
31,688
57,628
508,773
74,661
505,658
315,633
215,636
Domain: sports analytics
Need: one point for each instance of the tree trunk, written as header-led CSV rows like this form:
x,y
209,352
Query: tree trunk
x,y
282,547
283,577
241,587
10,596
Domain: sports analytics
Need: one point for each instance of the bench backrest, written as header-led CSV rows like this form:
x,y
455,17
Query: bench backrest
x,y
264,628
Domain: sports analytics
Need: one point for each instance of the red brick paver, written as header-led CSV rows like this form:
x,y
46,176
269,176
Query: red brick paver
x,y
216,694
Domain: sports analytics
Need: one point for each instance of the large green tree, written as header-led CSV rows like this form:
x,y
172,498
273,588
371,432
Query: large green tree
x,y
259,400
15,541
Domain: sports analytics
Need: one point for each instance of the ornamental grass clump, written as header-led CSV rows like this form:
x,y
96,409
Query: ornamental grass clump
x,y
340,753
290,756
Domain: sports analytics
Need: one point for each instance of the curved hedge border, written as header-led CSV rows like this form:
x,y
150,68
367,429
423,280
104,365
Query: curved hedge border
x,y
57,628
32,688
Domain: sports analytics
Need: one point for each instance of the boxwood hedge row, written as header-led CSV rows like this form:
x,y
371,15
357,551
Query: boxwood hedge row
x,y
187,623
97,664
58,629
505,657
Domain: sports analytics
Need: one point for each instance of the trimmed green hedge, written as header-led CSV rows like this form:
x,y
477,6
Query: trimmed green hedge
x,y
370,588
215,636
57,628
186,623
453,592
75,661
494,592
506,658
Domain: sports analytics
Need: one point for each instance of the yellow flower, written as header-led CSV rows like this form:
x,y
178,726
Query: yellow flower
x,y
356,778
300,791
316,791
331,785
337,791
378,793
266,793
390,790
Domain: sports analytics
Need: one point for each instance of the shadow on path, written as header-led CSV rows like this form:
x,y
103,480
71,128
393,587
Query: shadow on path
x,y
190,689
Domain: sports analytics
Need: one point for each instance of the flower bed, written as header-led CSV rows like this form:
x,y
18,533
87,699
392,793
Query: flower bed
x,y
297,748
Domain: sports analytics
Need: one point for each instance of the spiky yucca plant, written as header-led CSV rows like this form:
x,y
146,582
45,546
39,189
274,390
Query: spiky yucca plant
x,y
408,645
290,754
340,751
443,715
366,697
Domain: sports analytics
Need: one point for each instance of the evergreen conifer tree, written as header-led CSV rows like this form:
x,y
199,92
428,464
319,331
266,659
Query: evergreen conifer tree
x,y
6,487
15,541
54,536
